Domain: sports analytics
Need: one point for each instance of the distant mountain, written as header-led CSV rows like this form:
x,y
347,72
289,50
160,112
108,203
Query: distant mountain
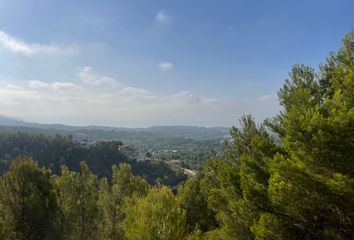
x,y
102,132
10,121
17,122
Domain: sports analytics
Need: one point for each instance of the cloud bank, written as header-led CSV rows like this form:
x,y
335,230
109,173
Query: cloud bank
x,y
116,104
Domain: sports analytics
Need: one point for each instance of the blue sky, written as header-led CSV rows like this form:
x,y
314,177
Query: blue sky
x,y
142,63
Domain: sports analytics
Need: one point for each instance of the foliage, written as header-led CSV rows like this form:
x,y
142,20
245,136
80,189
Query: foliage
x,y
57,150
314,181
27,202
77,196
111,199
194,202
155,217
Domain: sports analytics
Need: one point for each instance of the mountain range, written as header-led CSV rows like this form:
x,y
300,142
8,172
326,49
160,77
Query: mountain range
x,y
192,132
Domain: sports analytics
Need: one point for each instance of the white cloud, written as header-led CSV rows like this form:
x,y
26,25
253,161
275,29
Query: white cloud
x,y
188,97
38,84
60,86
89,77
19,46
13,44
163,17
166,66
135,91
64,86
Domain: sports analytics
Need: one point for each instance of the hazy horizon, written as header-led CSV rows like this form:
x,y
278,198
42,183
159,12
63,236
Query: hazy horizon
x,y
139,64
108,126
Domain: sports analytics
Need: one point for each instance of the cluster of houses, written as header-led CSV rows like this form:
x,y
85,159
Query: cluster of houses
x,y
129,150
133,153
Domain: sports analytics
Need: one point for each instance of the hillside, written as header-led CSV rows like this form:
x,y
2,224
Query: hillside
x,y
58,150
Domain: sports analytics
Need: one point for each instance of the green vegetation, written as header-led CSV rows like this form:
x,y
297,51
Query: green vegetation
x,y
192,155
27,202
57,150
189,146
155,216
256,188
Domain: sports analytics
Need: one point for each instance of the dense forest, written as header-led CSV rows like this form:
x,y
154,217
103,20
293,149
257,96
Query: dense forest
x,y
257,188
56,150
191,146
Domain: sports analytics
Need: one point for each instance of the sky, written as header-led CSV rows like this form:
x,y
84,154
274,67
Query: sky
x,y
138,63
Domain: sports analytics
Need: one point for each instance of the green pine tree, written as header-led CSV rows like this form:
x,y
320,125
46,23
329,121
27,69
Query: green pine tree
x,y
27,202
194,202
77,195
237,182
111,200
313,181
155,217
